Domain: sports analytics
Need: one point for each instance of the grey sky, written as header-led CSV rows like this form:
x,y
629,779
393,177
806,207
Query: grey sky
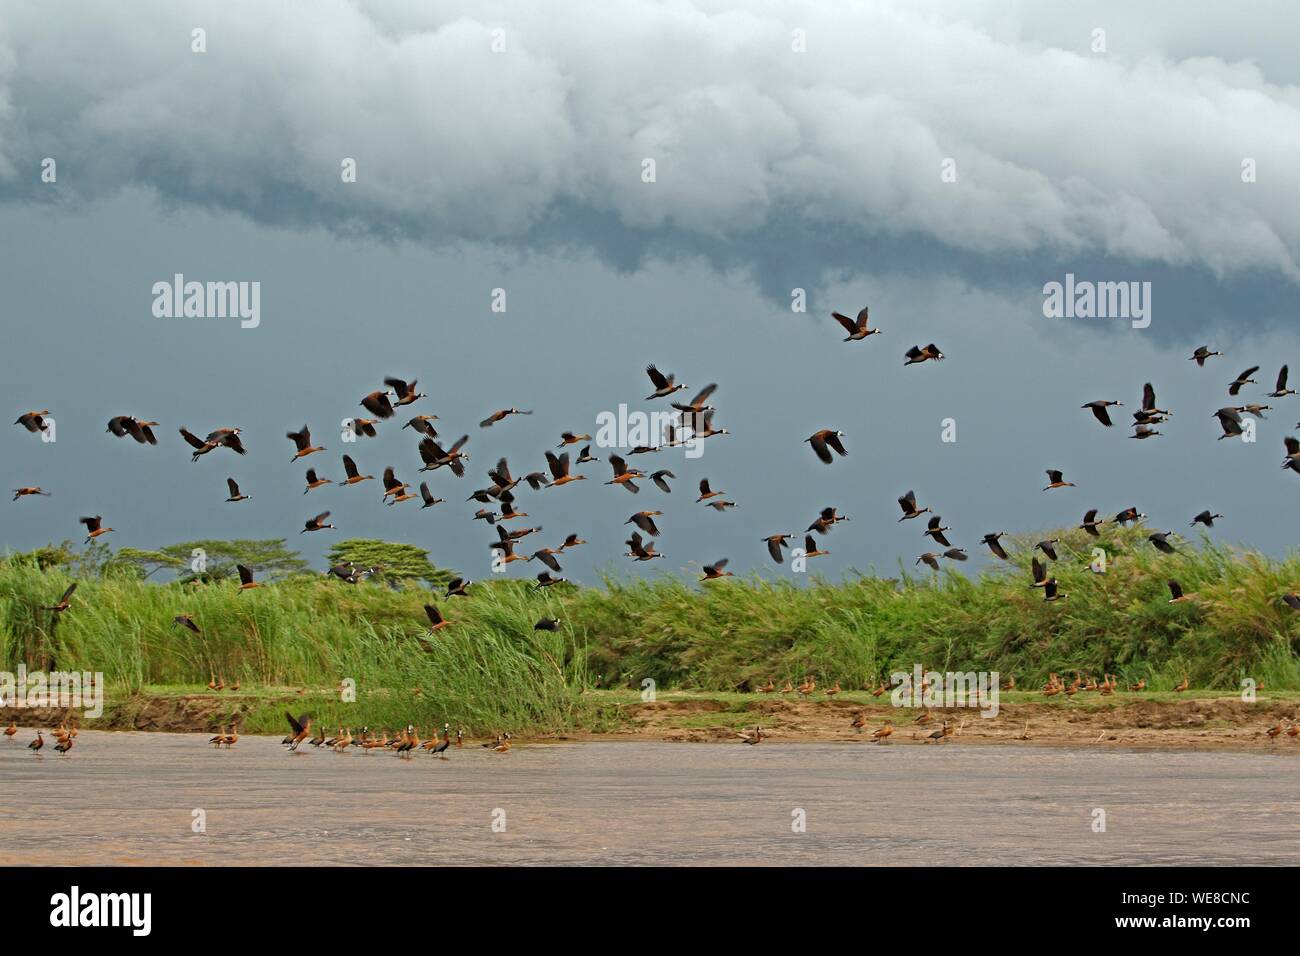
x,y
521,170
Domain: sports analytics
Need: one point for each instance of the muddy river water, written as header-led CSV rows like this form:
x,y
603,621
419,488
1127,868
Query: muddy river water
x,y
129,798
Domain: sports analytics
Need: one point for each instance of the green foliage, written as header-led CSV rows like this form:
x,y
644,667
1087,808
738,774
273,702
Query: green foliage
x,y
398,563
490,669
269,558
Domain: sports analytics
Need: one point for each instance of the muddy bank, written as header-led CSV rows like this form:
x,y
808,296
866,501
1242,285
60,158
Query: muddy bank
x,y
1198,723
1185,723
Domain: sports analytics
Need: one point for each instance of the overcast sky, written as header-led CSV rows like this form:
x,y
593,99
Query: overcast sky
x,y
522,170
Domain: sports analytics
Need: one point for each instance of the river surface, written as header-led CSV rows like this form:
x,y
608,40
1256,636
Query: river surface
x,y
130,798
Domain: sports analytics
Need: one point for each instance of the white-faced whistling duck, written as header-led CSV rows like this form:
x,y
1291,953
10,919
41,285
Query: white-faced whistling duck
x,y
404,391
1056,479
246,581
559,466
187,622
825,521
502,478
664,384
302,442
908,503
437,747
857,330
715,570
696,405
995,545
38,743
572,541
1051,592
756,737
235,493
1141,432
94,527
955,554
1201,354
317,523
538,479
1206,518
823,441
350,469
720,504
1149,402
63,746
547,624
1091,524
1281,391
64,602
33,421
623,475
1098,409
24,492
640,550
775,542
931,558
11,730
1230,422
881,736
377,403
1048,547
810,549
1127,515
935,529
545,580
1160,541
142,432
501,414
939,735
1183,686
434,457
916,354
658,478
1291,600
1243,379
569,438
427,496
436,621
319,738
1176,593
1039,572
1256,410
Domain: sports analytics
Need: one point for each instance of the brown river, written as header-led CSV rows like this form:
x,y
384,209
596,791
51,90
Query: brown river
x,y
138,798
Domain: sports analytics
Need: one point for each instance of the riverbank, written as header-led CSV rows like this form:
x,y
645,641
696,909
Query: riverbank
x,y
1194,720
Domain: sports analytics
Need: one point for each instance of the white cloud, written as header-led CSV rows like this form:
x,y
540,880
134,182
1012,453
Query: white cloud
x,y
1133,153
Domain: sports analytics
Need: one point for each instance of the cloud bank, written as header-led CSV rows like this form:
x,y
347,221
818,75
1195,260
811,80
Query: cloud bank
x,y
1059,151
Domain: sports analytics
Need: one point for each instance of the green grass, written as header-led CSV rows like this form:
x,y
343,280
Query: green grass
x,y
490,669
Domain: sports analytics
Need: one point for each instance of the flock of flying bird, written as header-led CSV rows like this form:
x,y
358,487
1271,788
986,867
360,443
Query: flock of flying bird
x,y
693,421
